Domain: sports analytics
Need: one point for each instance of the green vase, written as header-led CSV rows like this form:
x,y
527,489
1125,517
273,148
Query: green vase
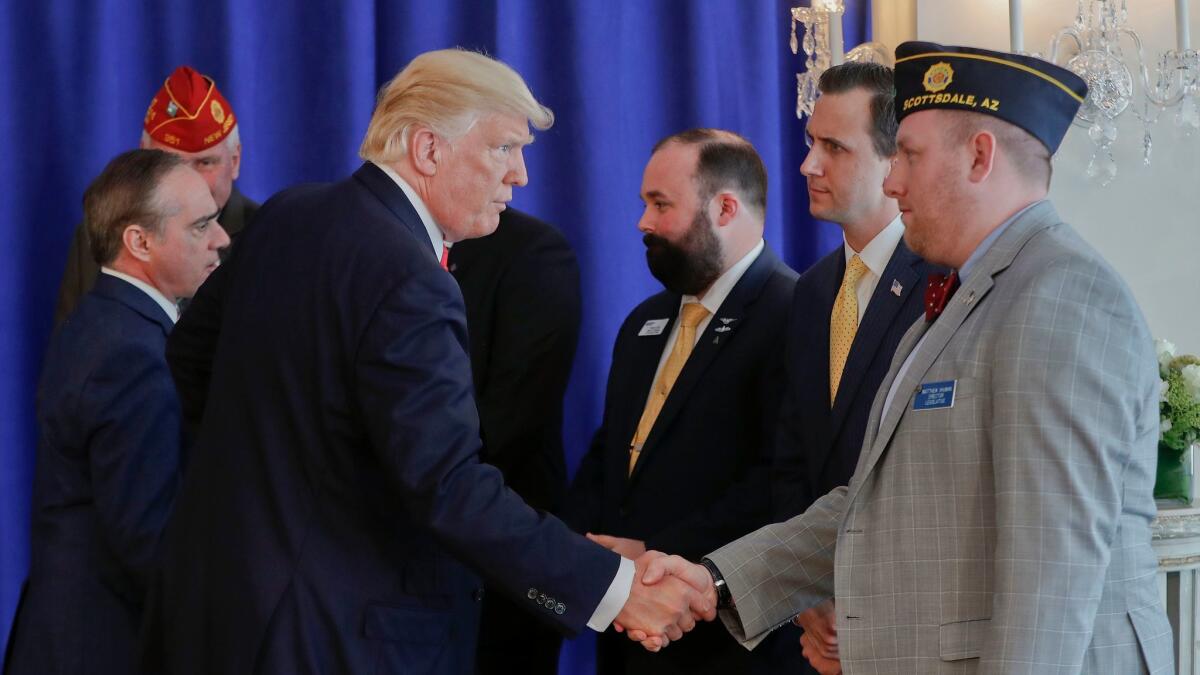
x,y
1174,477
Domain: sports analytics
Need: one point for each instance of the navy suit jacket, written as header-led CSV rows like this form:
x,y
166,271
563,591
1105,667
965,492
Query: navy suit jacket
x,y
336,486
107,474
817,444
702,477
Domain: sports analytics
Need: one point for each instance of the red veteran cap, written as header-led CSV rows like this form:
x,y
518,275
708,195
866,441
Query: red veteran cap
x,y
189,113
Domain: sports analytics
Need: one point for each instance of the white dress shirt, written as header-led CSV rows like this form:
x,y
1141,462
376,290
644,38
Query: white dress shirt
x,y
169,307
875,255
618,590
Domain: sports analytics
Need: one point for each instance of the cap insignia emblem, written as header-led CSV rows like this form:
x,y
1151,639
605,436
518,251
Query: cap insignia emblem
x,y
938,77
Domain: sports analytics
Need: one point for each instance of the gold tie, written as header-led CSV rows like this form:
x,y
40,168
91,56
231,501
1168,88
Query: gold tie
x,y
689,317
843,323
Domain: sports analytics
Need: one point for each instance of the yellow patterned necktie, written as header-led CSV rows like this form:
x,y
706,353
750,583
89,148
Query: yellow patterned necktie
x,y
689,317
843,323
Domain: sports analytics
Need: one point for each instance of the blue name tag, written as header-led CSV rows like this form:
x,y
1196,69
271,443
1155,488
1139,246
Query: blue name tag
x,y
935,395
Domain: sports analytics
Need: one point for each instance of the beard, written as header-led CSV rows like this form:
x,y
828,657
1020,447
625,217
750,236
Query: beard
x,y
690,266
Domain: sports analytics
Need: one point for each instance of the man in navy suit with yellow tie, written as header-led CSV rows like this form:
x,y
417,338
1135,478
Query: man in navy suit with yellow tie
x,y
695,383
849,312
335,514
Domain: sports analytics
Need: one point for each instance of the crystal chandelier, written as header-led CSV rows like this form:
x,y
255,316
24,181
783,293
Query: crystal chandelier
x,y
822,44
1099,59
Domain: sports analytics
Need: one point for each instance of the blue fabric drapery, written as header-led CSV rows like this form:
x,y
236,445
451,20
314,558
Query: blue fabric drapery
x,y
77,76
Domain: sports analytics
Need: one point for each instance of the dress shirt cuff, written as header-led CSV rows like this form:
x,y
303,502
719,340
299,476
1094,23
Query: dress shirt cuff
x,y
614,599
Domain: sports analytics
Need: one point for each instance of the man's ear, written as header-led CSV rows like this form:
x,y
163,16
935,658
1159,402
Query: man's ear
x,y
728,208
136,241
425,150
982,149
236,160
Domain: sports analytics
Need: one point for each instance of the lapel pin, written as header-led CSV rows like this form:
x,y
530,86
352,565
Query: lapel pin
x,y
172,108
726,321
970,298
897,289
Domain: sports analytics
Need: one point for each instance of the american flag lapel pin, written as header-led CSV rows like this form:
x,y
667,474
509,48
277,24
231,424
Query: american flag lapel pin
x,y
897,289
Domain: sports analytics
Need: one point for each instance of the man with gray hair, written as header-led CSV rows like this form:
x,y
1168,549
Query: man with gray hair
x,y
188,117
335,512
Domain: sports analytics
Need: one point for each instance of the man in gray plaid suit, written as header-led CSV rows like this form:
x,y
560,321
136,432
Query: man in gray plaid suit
x,y
998,518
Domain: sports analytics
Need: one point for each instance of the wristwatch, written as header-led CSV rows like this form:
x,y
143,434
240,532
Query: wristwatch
x,y
724,597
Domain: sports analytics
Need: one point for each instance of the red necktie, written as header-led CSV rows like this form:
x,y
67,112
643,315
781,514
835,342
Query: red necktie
x,y
937,294
445,257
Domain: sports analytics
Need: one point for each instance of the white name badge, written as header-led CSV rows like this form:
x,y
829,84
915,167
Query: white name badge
x,y
653,327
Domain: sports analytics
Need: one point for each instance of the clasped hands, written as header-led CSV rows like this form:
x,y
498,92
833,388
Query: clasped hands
x,y
669,595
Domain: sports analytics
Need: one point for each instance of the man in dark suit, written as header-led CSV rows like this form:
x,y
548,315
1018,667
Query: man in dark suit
x,y
520,286
697,424
109,444
190,118
335,510
849,312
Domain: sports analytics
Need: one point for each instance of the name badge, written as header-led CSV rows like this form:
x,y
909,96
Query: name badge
x,y
935,395
653,327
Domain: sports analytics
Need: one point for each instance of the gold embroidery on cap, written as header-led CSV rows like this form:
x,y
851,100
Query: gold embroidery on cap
x,y
218,112
938,77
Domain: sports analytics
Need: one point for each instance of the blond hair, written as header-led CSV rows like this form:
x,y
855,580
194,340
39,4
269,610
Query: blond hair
x,y
446,90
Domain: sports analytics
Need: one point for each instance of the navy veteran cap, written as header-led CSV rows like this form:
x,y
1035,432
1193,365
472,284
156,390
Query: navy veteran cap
x,y
1033,94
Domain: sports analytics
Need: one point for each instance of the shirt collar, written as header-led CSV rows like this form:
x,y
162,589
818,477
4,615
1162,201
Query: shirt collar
x,y
436,239
169,307
724,284
982,248
878,252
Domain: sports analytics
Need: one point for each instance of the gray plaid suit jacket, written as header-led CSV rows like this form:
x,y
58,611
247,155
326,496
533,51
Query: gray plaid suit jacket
x,y
1008,533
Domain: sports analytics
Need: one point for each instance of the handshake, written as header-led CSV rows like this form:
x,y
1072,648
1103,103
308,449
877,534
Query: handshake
x,y
669,595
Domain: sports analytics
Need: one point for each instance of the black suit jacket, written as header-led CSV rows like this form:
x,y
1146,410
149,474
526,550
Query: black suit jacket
x,y
702,477
107,474
521,289
336,487
81,269
817,445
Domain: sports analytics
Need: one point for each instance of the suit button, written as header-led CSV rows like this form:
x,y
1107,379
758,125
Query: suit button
x,y
477,596
560,609
531,594
549,604
541,599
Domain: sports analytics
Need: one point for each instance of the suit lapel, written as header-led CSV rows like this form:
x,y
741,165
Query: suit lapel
x,y
647,351
387,191
938,334
134,298
881,312
720,331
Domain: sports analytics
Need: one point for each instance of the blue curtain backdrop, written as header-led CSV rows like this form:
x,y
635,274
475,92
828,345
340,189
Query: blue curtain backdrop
x,y
619,74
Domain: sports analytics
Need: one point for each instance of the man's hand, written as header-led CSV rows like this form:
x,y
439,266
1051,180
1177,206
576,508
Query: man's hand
x,y
626,548
664,606
819,643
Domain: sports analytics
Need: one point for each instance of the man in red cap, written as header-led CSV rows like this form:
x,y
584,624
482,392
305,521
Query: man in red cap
x,y
189,117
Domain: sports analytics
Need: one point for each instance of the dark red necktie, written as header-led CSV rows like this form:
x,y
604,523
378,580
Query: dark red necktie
x,y
445,257
937,294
